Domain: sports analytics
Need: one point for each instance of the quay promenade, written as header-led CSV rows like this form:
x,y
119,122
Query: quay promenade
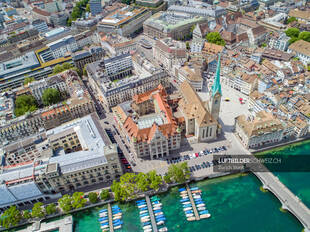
x,y
192,202
149,206
61,225
288,200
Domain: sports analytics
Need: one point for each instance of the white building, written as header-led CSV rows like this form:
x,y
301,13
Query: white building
x,y
301,49
60,47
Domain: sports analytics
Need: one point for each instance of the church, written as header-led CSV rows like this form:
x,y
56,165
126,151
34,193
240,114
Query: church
x,y
201,117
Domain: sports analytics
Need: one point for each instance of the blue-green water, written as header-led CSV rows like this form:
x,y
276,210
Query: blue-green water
x,y
235,202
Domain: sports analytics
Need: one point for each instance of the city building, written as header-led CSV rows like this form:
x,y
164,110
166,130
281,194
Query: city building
x,y
40,25
154,6
82,58
205,11
6,108
83,155
301,49
149,124
263,129
78,105
169,52
168,24
95,7
280,43
124,21
301,15
134,78
117,44
191,75
62,47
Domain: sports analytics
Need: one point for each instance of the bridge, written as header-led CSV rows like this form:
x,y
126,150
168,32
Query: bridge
x,y
288,200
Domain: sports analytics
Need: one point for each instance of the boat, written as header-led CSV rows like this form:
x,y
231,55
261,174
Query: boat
x,y
148,230
145,220
160,223
156,208
201,205
117,227
143,211
164,229
146,223
201,208
117,217
141,206
183,200
102,219
186,202
205,215
191,219
194,188
182,189
140,201
157,205
196,191
159,213
187,205
196,197
204,212
145,208
104,227
189,215
187,209
103,210
147,227
104,224
183,192
143,215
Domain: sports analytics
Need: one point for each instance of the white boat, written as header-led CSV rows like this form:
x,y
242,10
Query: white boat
x,y
145,220
196,197
156,208
185,197
104,221
143,211
117,214
105,230
103,214
159,213
188,208
201,205
147,216
164,229
191,219
201,208
159,204
160,223
183,192
189,215
117,217
148,230
141,206
186,203
104,227
147,227
117,227
205,215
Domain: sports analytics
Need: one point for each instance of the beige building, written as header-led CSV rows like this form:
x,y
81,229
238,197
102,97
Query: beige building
x,y
258,131
198,120
302,16
191,75
148,123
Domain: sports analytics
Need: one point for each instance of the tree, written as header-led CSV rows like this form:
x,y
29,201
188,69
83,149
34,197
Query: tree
x,y
26,214
78,201
66,66
263,45
105,194
51,96
38,210
143,182
50,209
84,70
179,173
292,32
187,45
58,69
305,35
88,8
154,179
65,203
167,179
10,217
93,197
28,80
293,40
290,20
215,38
24,104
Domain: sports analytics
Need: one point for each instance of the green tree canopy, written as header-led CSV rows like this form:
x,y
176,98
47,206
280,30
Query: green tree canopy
x,y
179,173
105,194
60,68
28,80
142,181
305,35
78,201
50,209
38,210
215,38
154,179
65,203
26,214
51,96
290,19
88,8
10,217
93,197
24,104
292,32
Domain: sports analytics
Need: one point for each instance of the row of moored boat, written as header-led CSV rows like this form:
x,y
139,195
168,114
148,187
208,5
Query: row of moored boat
x,y
200,205
144,215
187,205
116,218
158,214
104,220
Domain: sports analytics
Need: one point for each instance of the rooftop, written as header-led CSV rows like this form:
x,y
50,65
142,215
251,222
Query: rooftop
x,y
301,46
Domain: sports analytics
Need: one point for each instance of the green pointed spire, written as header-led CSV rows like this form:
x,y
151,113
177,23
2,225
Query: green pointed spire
x,y
216,87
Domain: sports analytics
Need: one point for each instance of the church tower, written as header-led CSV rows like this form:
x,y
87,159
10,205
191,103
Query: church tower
x,y
215,96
